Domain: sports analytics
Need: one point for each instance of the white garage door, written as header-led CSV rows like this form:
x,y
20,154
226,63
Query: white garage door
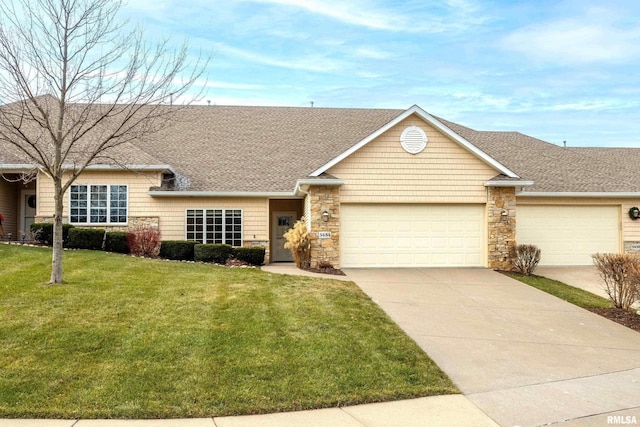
x,y
568,235
412,235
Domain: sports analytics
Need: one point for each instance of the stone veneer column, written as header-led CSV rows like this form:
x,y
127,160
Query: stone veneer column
x,y
325,251
502,228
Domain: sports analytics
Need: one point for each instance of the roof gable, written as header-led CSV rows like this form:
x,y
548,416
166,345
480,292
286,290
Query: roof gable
x,y
432,121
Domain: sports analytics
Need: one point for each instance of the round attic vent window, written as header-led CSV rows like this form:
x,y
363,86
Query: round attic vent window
x,y
413,140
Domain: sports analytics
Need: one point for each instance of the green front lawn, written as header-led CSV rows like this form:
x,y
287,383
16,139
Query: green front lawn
x,y
571,294
136,338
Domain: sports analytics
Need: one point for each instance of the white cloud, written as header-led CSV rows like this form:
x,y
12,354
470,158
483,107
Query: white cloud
x,y
371,53
595,36
227,85
453,14
315,63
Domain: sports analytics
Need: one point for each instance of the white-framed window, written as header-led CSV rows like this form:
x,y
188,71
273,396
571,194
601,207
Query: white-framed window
x,y
98,204
214,226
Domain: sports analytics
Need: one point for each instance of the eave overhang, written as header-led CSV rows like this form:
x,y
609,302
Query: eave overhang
x,y
271,194
595,194
508,183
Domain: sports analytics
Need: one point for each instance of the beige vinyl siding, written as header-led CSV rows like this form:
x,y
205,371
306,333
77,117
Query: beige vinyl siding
x,y
140,204
255,214
171,211
9,197
382,171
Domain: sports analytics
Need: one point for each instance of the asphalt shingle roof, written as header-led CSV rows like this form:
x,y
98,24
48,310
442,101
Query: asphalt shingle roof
x,y
267,149
222,148
558,169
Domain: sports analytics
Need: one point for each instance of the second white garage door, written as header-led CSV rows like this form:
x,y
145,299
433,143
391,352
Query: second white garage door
x,y
412,235
568,235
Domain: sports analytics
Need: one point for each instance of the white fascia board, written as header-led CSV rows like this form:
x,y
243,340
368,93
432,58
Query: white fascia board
x,y
306,182
124,167
508,183
28,167
329,182
162,193
429,119
609,195
17,167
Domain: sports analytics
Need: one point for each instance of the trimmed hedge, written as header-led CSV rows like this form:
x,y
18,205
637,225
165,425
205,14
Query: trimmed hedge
x,y
116,241
253,255
181,250
86,238
43,233
212,253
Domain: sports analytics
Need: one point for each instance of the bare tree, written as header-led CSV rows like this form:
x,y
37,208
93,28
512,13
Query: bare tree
x,y
75,85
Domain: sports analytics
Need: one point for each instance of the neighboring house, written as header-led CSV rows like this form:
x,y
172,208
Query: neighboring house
x,y
378,188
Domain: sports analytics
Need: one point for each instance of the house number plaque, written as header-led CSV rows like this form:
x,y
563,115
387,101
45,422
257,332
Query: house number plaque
x,y
324,234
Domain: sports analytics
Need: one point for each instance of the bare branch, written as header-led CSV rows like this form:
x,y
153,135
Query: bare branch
x,y
76,86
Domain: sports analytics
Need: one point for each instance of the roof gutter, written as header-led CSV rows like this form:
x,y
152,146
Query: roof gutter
x,y
276,194
608,195
29,167
508,183
17,168
124,167
329,182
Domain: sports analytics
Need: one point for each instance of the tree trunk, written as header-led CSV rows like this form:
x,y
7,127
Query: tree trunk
x,y
56,262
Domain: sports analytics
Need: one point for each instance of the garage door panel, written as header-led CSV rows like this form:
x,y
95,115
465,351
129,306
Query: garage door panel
x,y
412,235
568,235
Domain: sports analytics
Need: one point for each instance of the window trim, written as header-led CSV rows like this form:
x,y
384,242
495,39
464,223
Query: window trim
x,y
108,223
204,216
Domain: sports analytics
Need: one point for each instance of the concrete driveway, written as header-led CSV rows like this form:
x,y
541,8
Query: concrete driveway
x,y
584,277
522,356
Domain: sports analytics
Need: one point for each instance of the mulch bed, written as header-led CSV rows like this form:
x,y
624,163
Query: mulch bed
x,y
327,270
627,318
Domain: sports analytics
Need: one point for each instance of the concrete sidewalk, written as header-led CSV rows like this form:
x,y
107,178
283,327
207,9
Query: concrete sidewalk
x,y
436,411
522,356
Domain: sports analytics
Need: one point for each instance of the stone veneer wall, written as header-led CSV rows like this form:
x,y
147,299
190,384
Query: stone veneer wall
x,y
632,247
134,221
502,228
325,251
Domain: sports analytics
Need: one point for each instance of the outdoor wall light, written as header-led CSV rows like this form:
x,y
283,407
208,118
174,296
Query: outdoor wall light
x,y
325,216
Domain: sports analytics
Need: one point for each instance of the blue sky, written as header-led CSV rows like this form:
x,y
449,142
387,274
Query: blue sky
x,y
557,70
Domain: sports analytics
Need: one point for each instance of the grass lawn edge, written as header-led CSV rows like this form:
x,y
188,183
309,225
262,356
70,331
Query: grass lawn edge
x,y
66,349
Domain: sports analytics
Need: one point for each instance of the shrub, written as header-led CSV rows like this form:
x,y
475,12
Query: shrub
x,y
211,253
299,243
144,240
621,276
181,250
116,241
86,238
253,255
43,233
526,259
